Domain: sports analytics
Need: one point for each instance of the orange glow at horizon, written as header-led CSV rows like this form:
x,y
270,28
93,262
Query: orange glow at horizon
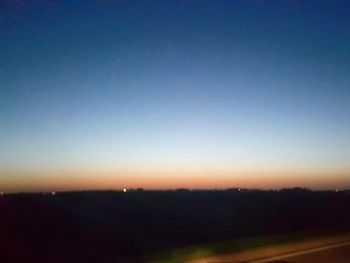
x,y
162,179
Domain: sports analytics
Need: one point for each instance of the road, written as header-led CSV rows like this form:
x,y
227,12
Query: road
x,y
339,254
334,248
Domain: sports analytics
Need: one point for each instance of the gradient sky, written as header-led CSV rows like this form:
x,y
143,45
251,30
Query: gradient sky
x,y
163,94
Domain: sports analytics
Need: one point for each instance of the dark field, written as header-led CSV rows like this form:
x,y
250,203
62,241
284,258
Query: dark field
x,y
113,226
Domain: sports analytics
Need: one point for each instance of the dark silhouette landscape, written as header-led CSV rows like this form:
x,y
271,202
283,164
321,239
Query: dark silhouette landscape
x,y
117,226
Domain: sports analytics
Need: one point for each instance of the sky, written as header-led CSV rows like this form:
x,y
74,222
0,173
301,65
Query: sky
x,y
164,94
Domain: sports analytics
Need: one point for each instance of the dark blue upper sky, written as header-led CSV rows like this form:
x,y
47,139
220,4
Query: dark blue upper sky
x,y
221,85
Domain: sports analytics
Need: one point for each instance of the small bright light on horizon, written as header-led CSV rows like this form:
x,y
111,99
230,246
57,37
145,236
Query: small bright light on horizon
x,y
1,193
124,190
53,193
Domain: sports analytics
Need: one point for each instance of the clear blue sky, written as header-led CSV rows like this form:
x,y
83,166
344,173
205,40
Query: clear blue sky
x,y
153,93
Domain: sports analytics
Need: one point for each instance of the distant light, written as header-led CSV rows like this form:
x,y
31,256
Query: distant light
x,y
337,190
239,189
124,190
1,193
53,193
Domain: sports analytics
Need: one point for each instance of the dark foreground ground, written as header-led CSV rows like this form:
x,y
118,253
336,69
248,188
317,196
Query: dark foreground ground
x,y
114,226
337,255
